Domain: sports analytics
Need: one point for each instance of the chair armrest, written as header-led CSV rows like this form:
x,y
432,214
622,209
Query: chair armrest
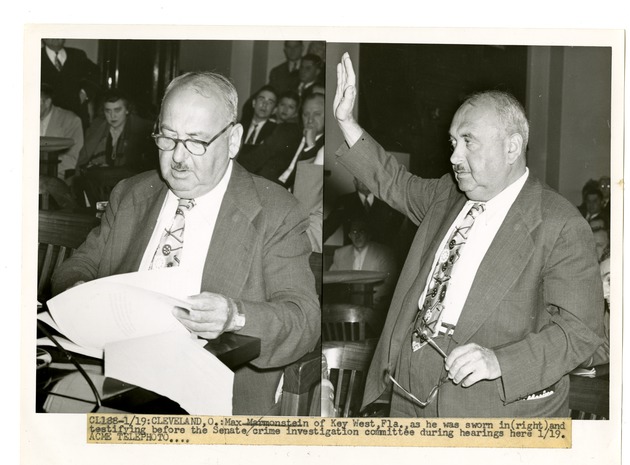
x,y
300,378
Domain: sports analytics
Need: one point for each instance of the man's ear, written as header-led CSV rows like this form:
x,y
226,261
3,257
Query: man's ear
x,y
514,147
234,141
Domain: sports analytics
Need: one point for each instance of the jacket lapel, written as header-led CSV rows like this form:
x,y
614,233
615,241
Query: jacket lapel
x,y
496,275
437,227
230,254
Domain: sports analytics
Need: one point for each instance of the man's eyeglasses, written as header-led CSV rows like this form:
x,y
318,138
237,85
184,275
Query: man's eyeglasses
x,y
424,334
194,146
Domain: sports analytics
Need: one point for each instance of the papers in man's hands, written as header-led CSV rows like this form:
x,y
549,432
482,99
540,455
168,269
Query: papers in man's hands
x,y
130,317
201,385
99,312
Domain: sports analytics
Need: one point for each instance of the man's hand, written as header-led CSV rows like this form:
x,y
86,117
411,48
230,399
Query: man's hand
x,y
344,101
310,134
210,316
471,363
78,283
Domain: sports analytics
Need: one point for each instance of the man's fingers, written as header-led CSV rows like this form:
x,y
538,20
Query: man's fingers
x,y
349,70
471,363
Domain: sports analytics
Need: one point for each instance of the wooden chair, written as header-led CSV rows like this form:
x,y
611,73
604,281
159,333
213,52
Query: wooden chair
x,y
98,183
59,233
348,363
299,394
348,322
589,398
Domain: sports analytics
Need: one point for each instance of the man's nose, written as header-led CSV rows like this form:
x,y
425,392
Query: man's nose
x,y
180,152
457,156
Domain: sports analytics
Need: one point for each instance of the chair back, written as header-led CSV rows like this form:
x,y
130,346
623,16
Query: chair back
x,y
348,363
99,182
349,322
589,398
59,234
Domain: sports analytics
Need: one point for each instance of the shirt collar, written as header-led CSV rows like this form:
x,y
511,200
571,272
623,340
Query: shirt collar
x,y
505,198
62,55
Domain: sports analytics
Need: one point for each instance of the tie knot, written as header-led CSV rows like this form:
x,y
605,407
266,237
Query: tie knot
x,y
184,205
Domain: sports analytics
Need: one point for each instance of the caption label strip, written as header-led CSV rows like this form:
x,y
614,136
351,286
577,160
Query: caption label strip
x,y
459,432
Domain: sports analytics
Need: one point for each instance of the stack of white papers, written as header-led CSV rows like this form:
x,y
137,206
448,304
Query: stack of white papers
x,y
126,317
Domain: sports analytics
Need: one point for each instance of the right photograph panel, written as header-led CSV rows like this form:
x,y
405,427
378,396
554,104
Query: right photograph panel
x,y
467,218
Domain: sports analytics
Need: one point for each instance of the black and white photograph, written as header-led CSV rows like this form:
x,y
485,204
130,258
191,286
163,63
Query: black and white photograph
x,y
321,223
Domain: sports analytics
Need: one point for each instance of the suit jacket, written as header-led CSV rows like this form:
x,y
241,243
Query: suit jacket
x,y
534,301
384,222
264,133
77,73
306,154
270,159
281,79
136,149
309,190
64,123
266,269
378,257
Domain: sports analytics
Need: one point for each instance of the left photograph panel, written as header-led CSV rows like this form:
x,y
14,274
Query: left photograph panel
x,y
179,226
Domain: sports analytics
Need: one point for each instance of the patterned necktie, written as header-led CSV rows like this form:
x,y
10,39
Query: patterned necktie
x,y
171,244
252,135
429,316
58,64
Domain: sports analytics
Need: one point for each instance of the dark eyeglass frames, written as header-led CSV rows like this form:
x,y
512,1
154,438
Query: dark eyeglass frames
x,y
194,146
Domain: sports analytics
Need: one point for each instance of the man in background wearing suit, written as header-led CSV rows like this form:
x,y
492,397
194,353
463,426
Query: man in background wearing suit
x,y
500,296
71,74
383,221
245,242
259,127
57,122
286,76
366,255
313,120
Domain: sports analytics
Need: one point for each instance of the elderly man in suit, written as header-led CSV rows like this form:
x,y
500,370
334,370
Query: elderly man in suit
x,y
245,242
500,295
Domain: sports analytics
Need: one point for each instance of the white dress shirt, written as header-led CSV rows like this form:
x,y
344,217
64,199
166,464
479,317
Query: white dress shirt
x,y
62,55
472,253
199,228
284,176
359,258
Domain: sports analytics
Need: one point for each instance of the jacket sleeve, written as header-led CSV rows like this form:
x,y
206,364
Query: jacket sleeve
x,y
388,179
288,322
572,299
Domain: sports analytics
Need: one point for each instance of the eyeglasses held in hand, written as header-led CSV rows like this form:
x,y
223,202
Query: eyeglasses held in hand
x,y
424,334
194,146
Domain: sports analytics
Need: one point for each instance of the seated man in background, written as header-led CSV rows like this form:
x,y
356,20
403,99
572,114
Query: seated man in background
x,y
383,221
259,127
119,139
310,72
57,122
367,255
313,120
245,242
